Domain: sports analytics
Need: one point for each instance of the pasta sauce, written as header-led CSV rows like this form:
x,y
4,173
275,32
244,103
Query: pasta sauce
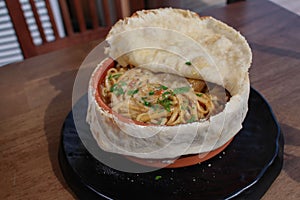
x,y
160,98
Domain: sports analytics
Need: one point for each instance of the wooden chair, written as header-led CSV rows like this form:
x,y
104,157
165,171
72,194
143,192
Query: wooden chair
x,y
80,20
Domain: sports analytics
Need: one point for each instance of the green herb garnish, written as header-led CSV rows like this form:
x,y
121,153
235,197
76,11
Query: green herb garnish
x,y
163,87
114,76
166,103
188,63
158,177
132,92
117,89
151,93
123,83
146,103
113,87
164,95
181,90
199,94
192,119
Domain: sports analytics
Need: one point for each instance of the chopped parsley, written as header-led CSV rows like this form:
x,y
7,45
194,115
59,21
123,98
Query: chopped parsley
x,y
114,76
199,94
151,93
163,87
192,119
188,63
166,103
181,90
164,95
158,177
146,103
117,89
123,83
132,92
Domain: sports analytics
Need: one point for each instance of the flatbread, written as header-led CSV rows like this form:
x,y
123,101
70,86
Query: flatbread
x,y
179,42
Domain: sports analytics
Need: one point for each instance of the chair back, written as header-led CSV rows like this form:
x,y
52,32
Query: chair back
x,y
82,20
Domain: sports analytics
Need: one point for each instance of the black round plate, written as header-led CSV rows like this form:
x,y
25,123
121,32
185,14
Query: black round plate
x,y
244,170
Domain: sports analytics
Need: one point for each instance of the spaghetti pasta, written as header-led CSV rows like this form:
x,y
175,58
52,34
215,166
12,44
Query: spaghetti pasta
x,y
144,96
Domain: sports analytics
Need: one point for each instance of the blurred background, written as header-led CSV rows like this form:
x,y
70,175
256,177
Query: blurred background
x,y
26,25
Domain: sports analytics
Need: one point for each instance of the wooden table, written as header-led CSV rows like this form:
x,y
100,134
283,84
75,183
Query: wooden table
x,y
36,97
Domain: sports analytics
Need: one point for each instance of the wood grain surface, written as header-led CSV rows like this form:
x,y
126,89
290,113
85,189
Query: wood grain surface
x,y
36,97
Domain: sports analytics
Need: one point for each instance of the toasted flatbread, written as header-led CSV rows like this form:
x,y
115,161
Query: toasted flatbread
x,y
178,42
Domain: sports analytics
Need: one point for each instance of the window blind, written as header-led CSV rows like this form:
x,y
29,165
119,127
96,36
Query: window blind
x,y
10,50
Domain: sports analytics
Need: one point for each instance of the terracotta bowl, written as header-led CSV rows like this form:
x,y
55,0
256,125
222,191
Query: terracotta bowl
x,y
182,161
98,79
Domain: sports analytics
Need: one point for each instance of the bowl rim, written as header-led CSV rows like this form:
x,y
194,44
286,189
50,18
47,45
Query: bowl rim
x,y
97,80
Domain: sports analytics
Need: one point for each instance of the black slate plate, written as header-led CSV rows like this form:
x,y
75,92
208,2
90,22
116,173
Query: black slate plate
x,y
244,170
